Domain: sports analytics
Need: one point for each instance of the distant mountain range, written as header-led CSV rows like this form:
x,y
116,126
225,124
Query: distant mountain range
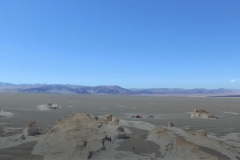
x,y
108,90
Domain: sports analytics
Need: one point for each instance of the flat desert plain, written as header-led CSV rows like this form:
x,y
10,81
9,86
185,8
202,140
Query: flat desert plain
x,y
106,127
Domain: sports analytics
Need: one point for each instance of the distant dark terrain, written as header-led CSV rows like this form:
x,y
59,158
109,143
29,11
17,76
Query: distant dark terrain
x,y
228,96
110,90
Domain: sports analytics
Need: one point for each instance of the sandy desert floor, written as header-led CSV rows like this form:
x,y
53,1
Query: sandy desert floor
x,y
222,139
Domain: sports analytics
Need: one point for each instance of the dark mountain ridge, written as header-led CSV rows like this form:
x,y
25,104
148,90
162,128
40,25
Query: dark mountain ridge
x,y
108,90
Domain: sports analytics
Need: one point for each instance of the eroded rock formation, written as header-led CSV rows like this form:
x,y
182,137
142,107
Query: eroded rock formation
x,y
174,147
115,120
107,117
49,106
200,113
32,128
170,124
77,136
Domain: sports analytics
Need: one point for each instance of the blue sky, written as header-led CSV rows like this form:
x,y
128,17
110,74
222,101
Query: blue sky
x,y
131,43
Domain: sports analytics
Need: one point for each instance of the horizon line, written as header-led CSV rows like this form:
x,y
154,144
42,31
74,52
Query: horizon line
x,y
116,86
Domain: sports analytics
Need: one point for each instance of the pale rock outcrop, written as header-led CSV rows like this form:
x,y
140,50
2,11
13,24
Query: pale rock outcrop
x,y
120,129
175,148
23,137
201,139
49,106
107,117
121,133
115,120
77,136
170,124
4,132
32,128
52,106
200,113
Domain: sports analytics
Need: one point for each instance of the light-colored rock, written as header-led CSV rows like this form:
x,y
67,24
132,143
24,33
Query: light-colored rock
x,y
170,124
188,150
77,136
107,117
49,106
120,129
175,148
201,139
23,137
32,129
115,120
52,106
4,132
200,113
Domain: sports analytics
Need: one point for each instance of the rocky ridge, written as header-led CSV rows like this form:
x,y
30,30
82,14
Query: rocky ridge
x,y
81,136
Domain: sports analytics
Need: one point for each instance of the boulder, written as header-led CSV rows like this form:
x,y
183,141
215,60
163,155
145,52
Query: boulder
x,y
32,129
23,137
49,106
115,120
170,124
107,117
4,131
200,113
120,129
53,106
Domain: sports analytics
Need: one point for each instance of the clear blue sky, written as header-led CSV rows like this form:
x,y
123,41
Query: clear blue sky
x,y
131,43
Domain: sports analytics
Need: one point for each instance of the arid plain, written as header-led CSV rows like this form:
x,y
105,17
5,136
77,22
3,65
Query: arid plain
x,y
17,110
